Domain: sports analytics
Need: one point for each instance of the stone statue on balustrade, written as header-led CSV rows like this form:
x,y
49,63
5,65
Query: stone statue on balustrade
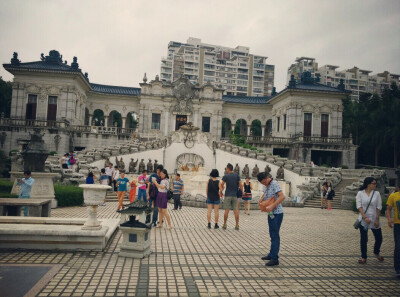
x,y
280,174
256,171
141,166
237,169
245,171
132,165
121,165
116,162
149,167
107,162
267,169
155,166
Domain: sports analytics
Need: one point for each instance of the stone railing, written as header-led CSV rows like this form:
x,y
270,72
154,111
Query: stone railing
x,y
104,130
268,139
19,122
322,140
297,138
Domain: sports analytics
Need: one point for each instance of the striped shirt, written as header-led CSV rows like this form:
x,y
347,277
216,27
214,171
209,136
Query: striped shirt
x,y
178,184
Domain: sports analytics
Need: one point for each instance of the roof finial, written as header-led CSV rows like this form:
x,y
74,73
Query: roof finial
x,y
14,60
341,85
273,93
74,64
292,82
157,78
145,78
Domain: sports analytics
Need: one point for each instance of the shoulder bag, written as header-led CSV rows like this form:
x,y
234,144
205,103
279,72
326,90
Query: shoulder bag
x,y
357,223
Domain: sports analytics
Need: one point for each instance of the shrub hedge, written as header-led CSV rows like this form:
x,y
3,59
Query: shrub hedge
x,y
68,195
6,186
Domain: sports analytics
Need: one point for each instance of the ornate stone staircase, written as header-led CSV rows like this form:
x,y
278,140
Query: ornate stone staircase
x,y
315,202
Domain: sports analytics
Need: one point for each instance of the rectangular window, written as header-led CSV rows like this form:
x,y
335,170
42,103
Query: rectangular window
x,y
205,124
278,123
307,124
52,108
284,121
324,125
31,107
155,121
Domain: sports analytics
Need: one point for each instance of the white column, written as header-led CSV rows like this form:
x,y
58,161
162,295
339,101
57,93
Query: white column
x,y
105,121
248,130
123,122
90,119
262,131
166,121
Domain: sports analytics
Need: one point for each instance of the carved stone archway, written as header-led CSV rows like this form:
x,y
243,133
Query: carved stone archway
x,y
189,162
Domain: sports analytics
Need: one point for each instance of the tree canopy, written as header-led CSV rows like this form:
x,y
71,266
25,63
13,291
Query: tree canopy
x,y
5,97
374,123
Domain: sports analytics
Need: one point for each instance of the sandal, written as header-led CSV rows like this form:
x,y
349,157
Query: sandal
x,y
362,261
379,257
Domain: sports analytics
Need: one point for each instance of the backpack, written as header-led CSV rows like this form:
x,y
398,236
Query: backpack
x,y
72,161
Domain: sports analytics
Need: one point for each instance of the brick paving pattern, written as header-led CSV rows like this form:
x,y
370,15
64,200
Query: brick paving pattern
x,y
319,253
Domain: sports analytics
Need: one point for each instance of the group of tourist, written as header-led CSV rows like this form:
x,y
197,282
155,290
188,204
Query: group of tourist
x,y
156,186
327,194
68,161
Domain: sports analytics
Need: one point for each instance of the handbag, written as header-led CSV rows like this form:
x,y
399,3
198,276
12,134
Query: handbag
x,y
264,204
357,223
170,194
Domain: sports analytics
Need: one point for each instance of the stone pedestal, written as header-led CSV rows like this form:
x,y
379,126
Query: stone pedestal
x,y
93,196
135,242
43,187
285,187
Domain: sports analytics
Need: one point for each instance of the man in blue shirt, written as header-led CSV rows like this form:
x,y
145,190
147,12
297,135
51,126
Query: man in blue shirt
x,y
26,184
275,215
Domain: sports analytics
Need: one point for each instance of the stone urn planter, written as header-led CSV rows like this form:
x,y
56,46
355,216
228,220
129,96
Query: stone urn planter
x,y
221,145
261,156
142,147
243,152
228,147
235,149
252,154
93,196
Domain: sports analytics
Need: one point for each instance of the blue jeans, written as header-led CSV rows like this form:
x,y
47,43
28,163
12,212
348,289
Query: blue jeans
x,y
155,211
274,226
26,208
396,233
142,192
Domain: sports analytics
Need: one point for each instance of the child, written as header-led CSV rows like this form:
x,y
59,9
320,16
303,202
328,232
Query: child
x,y
90,178
122,184
132,192
247,196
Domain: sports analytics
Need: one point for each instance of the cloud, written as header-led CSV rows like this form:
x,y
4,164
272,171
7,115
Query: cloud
x,y
117,41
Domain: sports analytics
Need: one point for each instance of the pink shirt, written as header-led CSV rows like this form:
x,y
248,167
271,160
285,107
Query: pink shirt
x,y
145,179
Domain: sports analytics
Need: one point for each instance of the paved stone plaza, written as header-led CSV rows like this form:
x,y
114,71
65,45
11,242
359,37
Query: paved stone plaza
x,y
319,253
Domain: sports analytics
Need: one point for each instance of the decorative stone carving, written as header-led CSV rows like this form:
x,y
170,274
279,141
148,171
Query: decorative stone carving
x,y
189,161
245,171
267,169
121,165
155,166
280,174
107,162
256,171
149,167
132,165
237,169
141,166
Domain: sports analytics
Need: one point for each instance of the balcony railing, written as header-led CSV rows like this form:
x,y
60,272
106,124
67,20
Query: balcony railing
x,y
104,130
22,122
297,138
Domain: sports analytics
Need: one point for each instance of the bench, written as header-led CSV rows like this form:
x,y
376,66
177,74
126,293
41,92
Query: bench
x,y
37,207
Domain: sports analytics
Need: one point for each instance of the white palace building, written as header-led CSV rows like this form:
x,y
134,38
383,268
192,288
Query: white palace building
x,y
302,122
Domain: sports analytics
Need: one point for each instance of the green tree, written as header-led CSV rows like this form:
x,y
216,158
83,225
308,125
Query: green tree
x,y
5,97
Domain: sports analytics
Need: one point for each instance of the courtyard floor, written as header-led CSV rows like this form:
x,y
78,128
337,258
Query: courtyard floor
x,y
319,253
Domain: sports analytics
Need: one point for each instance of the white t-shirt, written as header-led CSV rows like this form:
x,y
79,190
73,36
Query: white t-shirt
x,y
115,175
109,171
64,160
164,182
362,200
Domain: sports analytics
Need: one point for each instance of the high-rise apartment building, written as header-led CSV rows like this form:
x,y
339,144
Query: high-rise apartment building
x,y
356,80
237,71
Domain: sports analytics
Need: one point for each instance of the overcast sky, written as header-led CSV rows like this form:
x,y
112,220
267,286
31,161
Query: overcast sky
x,y
117,41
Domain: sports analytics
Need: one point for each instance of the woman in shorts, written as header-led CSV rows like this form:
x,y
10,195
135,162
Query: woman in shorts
x,y
162,198
213,198
247,196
